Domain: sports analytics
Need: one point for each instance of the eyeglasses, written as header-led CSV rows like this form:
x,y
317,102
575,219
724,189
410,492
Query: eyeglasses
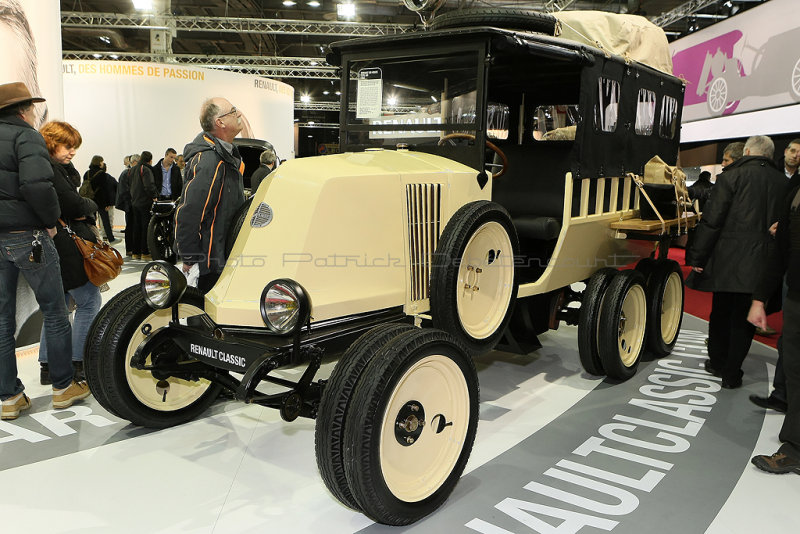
x,y
231,112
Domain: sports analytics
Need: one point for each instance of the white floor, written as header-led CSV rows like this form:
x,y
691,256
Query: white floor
x,y
241,469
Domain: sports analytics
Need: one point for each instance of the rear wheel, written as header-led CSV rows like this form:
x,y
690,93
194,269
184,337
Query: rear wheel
x,y
136,395
473,283
588,320
623,318
665,295
412,427
336,404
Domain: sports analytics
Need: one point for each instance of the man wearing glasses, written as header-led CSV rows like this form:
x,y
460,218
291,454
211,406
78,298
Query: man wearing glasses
x,y
212,192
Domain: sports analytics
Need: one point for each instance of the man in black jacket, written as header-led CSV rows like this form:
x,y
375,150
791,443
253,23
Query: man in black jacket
x,y
29,212
167,176
728,252
143,193
785,259
268,160
214,171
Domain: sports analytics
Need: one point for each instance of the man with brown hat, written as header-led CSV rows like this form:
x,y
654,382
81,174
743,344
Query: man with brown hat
x,y
29,212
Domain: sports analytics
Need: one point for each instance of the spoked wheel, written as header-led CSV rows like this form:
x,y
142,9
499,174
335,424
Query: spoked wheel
x,y
794,86
336,404
159,239
591,302
717,97
473,283
623,318
664,307
412,427
137,395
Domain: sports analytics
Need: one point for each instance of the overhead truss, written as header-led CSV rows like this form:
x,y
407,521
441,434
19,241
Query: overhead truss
x,y
681,12
76,19
273,67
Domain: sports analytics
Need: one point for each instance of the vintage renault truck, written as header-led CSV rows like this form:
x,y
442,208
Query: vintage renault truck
x,y
487,167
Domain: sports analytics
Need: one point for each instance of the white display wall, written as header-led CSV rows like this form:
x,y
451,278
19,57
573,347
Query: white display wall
x,y
128,107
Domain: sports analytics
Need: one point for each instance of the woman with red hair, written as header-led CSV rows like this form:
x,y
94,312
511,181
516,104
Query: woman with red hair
x,y
77,212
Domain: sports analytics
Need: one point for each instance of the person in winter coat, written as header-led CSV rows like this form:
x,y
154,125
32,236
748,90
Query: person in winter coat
x,y
104,193
77,213
730,246
268,161
123,201
167,176
29,213
143,193
214,171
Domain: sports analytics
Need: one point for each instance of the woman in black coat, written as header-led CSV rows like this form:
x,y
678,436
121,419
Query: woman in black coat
x,y
100,185
77,213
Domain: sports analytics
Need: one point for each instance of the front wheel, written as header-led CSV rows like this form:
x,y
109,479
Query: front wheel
x,y
413,423
160,239
136,395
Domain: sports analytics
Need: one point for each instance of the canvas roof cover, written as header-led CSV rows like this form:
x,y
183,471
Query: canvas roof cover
x,y
630,36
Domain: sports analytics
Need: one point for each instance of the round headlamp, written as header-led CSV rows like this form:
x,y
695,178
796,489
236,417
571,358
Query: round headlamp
x,y
162,284
285,306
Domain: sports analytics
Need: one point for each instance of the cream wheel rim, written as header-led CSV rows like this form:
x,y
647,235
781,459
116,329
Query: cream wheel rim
x,y
417,468
718,95
796,79
671,307
631,325
485,280
181,393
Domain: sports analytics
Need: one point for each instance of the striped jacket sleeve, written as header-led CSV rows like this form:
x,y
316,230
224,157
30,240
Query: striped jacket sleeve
x,y
195,212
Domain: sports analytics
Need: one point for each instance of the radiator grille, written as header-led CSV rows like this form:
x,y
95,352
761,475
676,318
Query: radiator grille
x,y
424,219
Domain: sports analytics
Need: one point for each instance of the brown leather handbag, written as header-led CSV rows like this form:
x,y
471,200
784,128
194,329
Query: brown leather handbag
x,y
101,261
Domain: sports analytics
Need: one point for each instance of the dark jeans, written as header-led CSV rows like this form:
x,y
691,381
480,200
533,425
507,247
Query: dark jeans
x,y
729,333
107,228
790,431
141,218
779,381
45,280
128,233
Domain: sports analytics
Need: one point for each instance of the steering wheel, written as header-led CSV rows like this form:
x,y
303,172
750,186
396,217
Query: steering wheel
x,y
491,146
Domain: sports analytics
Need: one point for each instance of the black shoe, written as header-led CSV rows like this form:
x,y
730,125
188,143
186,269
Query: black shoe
x,y
709,369
770,403
732,384
77,367
778,463
44,374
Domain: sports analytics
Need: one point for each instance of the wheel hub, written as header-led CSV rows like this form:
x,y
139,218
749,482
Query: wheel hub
x,y
409,423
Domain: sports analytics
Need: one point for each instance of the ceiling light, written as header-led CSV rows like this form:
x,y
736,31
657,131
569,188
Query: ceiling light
x,y
143,5
289,3
305,98
114,56
346,10
105,39
311,123
97,56
392,100
338,93
433,98
313,63
326,92
313,3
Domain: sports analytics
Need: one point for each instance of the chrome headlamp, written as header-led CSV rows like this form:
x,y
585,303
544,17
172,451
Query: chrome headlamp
x,y
162,284
285,306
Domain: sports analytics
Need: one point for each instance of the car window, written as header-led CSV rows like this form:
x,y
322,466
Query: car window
x,y
606,109
668,124
555,123
645,112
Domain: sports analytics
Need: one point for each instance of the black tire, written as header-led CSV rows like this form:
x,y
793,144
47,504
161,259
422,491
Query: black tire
x,y
588,320
335,404
511,19
425,379
451,278
160,239
646,266
238,222
665,294
95,349
121,380
622,324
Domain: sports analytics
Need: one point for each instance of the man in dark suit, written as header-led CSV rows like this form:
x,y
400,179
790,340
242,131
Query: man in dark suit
x,y
727,255
167,176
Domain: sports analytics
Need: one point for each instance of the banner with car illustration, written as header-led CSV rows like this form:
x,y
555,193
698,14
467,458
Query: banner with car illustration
x,y
742,64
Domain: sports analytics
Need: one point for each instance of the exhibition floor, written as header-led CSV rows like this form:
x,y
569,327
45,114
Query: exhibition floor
x,y
675,462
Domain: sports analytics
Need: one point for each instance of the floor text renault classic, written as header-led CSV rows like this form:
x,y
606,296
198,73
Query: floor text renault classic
x,y
487,166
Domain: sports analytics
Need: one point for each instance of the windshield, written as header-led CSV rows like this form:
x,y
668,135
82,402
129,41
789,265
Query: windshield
x,y
411,100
